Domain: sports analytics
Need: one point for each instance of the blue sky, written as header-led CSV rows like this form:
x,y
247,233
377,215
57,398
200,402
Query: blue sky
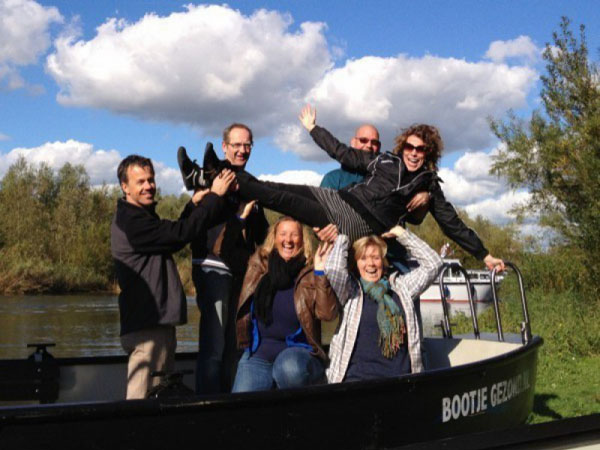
x,y
91,82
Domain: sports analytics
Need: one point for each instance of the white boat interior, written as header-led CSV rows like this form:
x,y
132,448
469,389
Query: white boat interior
x,y
104,378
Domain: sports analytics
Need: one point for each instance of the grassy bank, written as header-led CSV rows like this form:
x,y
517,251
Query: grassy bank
x,y
568,378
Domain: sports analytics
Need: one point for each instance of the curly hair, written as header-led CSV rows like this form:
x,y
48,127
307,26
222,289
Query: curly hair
x,y
269,244
430,135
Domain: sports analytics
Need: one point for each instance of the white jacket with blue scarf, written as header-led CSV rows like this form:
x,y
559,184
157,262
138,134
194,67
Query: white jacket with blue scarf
x,y
408,287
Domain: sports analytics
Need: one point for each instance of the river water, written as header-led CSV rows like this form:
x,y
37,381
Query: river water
x,y
79,325
88,325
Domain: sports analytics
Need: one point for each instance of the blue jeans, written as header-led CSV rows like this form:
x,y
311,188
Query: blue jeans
x,y
213,295
293,367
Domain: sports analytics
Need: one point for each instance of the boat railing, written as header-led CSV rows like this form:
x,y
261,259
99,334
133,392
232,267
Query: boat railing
x,y
35,378
446,328
525,325
445,323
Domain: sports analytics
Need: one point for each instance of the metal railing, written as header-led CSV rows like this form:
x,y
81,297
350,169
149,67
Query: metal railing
x,y
445,323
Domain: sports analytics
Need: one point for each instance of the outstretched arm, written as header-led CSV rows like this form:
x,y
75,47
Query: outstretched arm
x,y
325,300
336,269
447,218
352,158
417,280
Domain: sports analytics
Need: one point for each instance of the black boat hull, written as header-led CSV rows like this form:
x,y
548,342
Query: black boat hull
x,y
494,393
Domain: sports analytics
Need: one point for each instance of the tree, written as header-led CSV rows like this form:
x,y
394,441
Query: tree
x,y
556,154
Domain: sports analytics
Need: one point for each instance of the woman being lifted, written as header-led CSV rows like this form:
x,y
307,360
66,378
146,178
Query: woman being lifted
x,y
381,201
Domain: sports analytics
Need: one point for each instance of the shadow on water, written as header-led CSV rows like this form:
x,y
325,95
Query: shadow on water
x,y
80,325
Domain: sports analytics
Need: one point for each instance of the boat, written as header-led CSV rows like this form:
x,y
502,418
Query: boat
x,y
456,289
472,384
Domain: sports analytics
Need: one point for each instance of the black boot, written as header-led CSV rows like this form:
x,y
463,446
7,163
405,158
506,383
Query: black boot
x,y
192,174
212,164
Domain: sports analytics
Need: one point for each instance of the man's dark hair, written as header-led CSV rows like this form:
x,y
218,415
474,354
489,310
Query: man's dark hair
x,y
227,130
132,160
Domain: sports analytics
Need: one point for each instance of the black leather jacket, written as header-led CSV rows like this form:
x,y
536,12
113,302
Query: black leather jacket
x,y
385,196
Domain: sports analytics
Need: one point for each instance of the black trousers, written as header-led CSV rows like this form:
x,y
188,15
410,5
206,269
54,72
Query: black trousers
x,y
293,200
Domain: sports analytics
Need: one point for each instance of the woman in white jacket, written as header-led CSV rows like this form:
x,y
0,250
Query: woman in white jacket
x,y
379,334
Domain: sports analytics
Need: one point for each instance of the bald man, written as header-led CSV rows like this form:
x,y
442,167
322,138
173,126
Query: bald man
x,y
366,138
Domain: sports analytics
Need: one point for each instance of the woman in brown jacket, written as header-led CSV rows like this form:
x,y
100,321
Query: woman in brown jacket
x,y
282,301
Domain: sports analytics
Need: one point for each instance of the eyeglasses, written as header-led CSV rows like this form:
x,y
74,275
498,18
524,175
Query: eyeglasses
x,y
420,148
364,140
240,145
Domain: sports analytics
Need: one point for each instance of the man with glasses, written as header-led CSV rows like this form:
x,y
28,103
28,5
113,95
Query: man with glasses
x,y
219,261
366,138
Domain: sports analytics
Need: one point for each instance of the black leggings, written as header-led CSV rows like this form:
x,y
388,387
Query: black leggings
x,y
293,200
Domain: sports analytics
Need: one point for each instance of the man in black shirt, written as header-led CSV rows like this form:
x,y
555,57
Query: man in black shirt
x,y
152,301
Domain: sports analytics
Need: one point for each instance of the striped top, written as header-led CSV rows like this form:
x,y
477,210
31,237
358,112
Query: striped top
x,y
347,219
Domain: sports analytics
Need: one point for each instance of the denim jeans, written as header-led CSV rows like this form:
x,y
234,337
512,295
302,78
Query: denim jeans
x,y
214,297
293,367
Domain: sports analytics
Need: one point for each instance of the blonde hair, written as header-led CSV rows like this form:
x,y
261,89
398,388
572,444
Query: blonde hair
x,y
269,244
360,247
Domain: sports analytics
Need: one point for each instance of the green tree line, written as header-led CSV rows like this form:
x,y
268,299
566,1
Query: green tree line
x,y
55,234
55,228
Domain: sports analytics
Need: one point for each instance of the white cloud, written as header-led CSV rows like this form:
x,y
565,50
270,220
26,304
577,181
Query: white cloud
x,y
521,48
24,37
208,66
469,180
497,209
455,95
168,179
100,165
4,137
469,186
307,177
211,65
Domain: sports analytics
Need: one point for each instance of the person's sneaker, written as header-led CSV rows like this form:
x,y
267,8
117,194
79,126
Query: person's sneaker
x,y
192,174
212,164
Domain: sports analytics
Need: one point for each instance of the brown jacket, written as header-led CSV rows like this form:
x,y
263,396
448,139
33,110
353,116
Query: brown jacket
x,y
314,300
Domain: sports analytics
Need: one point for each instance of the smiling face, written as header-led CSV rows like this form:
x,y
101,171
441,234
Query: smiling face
x,y
288,239
367,139
140,186
413,153
370,264
238,147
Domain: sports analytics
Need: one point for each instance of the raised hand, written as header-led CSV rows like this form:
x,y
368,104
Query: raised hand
x,y
223,182
308,117
395,232
328,233
199,195
323,251
494,263
247,209
420,199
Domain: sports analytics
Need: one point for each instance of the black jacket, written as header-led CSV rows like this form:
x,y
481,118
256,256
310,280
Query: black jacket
x,y
231,240
141,245
384,194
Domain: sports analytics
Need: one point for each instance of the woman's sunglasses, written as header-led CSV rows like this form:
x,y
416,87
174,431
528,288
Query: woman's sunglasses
x,y
410,147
